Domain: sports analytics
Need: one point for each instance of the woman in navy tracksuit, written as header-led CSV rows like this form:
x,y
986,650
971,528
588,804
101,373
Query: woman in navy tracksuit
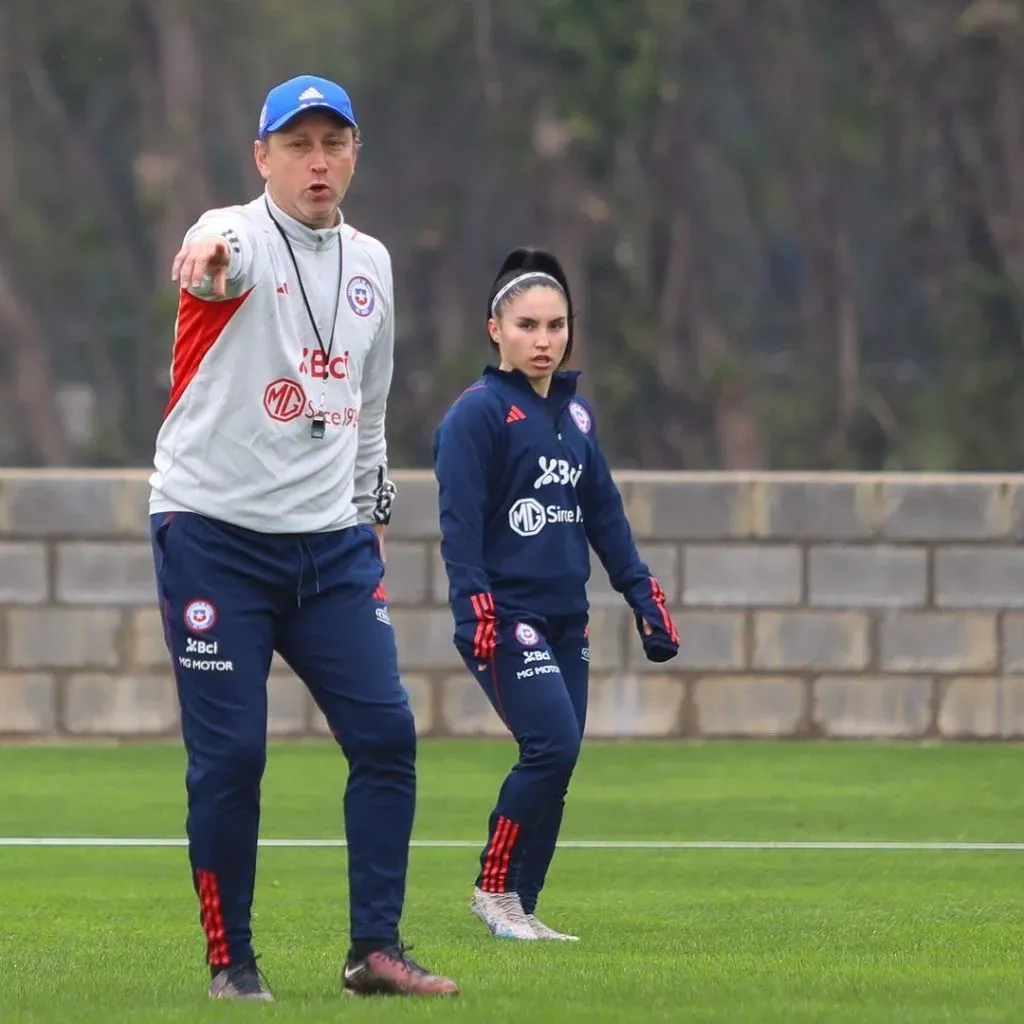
x,y
524,492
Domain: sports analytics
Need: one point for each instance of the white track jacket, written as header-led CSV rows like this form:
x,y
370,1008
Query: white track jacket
x,y
248,376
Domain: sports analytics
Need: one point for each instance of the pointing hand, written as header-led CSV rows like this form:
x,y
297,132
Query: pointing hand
x,y
202,256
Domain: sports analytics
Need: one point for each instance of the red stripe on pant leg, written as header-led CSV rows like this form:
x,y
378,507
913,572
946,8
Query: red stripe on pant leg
x,y
506,857
219,954
213,919
501,858
204,896
207,914
485,874
493,857
493,852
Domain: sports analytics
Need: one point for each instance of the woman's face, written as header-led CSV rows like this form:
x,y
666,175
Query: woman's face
x,y
531,331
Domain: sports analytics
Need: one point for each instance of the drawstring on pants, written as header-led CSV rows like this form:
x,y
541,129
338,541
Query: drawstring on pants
x,y
304,548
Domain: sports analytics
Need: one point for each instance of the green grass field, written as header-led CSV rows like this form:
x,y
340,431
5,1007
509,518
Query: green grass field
x,y
101,934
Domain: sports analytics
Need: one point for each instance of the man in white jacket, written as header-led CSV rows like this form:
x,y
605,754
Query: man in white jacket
x,y
269,499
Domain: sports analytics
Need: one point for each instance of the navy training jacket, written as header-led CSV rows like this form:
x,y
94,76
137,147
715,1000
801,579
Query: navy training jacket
x,y
524,493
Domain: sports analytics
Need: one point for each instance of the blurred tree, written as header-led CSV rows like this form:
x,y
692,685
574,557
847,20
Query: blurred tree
x,y
795,230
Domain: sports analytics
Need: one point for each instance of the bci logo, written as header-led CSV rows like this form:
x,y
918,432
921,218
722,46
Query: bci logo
x,y
318,366
193,646
557,471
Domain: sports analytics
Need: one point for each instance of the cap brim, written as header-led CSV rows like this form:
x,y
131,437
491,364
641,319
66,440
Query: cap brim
x,y
286,119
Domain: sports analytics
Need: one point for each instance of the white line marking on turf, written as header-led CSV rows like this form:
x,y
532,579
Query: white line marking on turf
x,y
570,844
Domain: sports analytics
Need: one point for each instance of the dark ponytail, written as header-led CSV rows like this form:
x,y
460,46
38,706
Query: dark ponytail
x,y
525,261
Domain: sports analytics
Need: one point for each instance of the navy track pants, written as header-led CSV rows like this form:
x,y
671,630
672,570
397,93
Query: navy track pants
x,y
537,682
231,597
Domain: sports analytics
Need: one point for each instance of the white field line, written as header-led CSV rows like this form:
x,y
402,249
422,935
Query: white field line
x,y
569,844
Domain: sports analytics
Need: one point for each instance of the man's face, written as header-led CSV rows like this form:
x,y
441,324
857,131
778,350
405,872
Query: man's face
x,y
308,166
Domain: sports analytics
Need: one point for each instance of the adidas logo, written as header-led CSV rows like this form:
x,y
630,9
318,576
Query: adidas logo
x,y
515,414
310,94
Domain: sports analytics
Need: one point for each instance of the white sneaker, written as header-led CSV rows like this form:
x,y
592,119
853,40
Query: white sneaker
x,y
542,931
502,913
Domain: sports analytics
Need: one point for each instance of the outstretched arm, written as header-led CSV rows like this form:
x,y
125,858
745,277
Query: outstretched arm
x,y
217,257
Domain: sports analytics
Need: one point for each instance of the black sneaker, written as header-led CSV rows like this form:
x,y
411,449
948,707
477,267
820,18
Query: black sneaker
x,y
390,972
240,981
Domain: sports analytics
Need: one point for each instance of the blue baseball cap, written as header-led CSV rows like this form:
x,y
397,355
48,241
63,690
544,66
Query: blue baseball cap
x,y
306,92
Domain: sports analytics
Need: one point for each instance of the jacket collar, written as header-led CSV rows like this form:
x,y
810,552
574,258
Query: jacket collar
x,y
299,233
563,383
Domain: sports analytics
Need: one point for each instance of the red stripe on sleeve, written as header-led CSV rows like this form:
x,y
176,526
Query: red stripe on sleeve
x,y
200,324
666,620
485,639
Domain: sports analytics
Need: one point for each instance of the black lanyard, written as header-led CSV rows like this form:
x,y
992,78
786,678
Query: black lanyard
x,y
319,418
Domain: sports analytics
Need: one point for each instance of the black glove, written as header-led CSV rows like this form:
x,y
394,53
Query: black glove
x,y
384,498
653,622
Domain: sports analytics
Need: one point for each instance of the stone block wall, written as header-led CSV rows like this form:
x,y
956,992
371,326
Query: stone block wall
x,y
808,605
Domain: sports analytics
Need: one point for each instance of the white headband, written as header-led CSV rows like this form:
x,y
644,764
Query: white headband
x,y
530,275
